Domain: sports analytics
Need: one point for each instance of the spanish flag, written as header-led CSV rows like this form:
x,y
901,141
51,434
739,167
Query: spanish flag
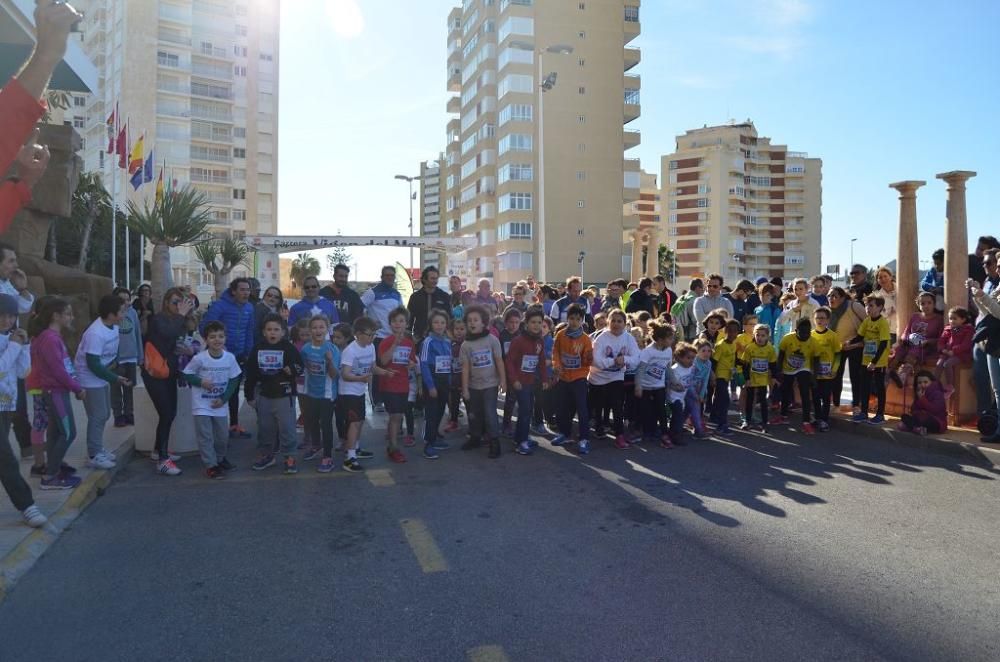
x,y
159,186
135,158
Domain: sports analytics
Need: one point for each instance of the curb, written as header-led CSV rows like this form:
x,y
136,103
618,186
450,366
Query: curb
x,y
953,446
25,554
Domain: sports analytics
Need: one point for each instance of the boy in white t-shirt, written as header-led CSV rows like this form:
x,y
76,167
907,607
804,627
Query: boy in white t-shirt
x,y
214,375
357,365
94,363
684,378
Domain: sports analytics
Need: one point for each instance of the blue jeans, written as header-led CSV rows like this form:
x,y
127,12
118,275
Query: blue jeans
x,y
525,405
434,410
983,376
692,405
573,401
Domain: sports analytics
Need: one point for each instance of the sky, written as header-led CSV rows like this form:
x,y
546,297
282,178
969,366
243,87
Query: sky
x,y
881,91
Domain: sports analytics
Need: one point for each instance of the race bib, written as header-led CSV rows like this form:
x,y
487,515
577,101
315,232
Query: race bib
x,y
825,369
481,358
506,348
758,365
456,365
361,368
657,372
401,356
796,361
571,361
213,393
442,364
870,347
271,361
529,363
316,368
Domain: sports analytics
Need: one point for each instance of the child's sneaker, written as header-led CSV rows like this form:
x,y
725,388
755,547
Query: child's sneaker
x,y
808,428
441,445
60,481
409,441
538,429
430,453
584,447
621,443
744,426
168,468
858,417
922,431
263,462
311,454
351,464
876,420
290,466
364,455
823,426
451,427
215,473
665,442
33,517
155,457
523,448
396,456
325,465
778,420
558,440
101,461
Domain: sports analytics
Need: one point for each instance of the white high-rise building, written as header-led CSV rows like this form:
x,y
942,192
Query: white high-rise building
x,y
199,79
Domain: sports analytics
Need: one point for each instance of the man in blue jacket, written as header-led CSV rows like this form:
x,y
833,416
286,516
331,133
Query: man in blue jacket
x,y
235,312
313,304
379,301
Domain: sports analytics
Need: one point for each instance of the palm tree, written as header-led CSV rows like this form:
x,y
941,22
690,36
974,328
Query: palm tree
x,y
179,219
90,200
303,266
233,252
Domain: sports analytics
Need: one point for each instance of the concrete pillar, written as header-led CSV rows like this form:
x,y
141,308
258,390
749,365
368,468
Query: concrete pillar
x,y
956,239
636,274
651,255
907,255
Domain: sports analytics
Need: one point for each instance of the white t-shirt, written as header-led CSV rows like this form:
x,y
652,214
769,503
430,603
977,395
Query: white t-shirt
x,y
101,340
655,363
216,370
360,361
686,376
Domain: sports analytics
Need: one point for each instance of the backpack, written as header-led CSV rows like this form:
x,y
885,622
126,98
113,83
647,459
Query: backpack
x,y
678,308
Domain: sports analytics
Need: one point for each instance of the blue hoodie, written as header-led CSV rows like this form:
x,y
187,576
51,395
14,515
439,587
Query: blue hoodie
x,y
768,314
435,346
238,321
379,301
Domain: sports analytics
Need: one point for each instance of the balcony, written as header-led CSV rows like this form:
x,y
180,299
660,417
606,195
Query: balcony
x,y
172,38
454,106
632,107
631,20
633,56
211,92
206,49
210,71
172,63
215,156
172,111
209,179
210,114
454,78
174,14
632,139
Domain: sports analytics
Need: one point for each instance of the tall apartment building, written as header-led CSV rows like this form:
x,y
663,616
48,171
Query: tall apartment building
x,y
200,79
430,209
646,236
534,165
741,207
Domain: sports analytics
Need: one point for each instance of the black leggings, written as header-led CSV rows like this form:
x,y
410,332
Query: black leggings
x,y
234,403
873,381
804,380
822,398
921,421
604,397
317,415
163,393
760,393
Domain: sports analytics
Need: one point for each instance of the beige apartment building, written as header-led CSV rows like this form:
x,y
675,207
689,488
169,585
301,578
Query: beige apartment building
x,y
430,209
642,243
740,206
534,166
200,79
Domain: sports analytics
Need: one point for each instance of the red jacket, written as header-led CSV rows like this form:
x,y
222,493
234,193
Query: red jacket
x,y
525,351
932,404
20,112
958,340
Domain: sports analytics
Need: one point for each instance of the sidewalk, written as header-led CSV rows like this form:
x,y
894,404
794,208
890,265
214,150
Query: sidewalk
x,y
20,545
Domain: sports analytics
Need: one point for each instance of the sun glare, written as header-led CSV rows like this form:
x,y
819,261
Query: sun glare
x,y
346,17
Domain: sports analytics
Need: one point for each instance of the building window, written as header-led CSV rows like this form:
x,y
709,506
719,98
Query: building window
x,y
239,132
266,57
515,260
581,204
581,119
583,5
581,147
514,230
581,175
515,83
167,59
515,172
582,90
241,10
631,14
79,122
516,112
79,102
239,153
702,202
581,62
241,30
240,51
582,34
516,202
239,194
515,142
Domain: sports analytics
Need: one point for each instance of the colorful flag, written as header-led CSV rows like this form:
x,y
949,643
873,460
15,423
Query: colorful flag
x,y
136,179
135,158
112,119
147,169
121,147
159,185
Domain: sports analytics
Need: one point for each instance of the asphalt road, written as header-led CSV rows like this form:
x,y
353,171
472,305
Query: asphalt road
x,y
821,548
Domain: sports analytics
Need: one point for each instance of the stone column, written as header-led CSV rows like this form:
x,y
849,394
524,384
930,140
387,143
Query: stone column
x,y
907,255
636,273
651,255
956,239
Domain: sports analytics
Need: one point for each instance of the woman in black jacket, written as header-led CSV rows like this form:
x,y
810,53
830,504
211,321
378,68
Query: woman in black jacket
x,y
163,332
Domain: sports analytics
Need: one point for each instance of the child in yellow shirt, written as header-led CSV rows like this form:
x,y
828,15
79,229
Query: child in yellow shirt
x,y
759,363
873,333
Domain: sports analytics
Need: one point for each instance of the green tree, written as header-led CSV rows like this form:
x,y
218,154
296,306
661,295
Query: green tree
x,y
666,263
303,266
220,257
181,218
90,201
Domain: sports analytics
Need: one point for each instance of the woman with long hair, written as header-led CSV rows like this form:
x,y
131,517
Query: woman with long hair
x,y
163,332
270,303
885,287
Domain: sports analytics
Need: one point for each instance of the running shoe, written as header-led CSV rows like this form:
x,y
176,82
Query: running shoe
x,y
155,457
523,448
311,454
100,461
325,465
60,481
33,517
779,420
665,442
290,466
858,418
876,420
430,453
584,447
364,455
409,441
215,473
823,426
558,440
263,462
441,445
539,430
237,432
621,443
351,464
744,426
168,468
724,431
808,428
396,456
451,427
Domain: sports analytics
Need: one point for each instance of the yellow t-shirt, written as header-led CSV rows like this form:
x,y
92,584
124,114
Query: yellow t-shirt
x,y
743,341
827,347
725,359
798,354
759,359
874,332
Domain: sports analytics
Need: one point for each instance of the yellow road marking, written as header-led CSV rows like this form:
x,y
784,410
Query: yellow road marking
x,y
487,654
380,477
424,548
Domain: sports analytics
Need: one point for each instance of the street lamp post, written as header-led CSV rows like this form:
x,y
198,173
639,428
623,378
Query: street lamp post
x,y
544,86
409,180
851,265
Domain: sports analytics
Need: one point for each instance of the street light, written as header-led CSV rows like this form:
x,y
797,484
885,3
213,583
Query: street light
x,y
409,180
851,265
545,84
